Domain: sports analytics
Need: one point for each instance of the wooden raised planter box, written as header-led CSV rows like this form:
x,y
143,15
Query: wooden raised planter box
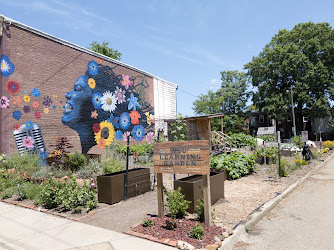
x,y
192,188
110,187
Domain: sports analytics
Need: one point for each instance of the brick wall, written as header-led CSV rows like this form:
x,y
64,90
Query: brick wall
x,y
53,68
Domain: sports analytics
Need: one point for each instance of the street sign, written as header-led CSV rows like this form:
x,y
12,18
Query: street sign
x,y
304,136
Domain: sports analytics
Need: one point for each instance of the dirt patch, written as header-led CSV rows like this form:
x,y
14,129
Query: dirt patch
x,y
181,232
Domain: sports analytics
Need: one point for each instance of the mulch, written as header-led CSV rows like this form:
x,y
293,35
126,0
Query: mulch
x,y
181,232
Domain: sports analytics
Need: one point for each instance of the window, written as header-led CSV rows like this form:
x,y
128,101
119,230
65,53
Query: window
x,y
253,120
289,118
304,118
261,118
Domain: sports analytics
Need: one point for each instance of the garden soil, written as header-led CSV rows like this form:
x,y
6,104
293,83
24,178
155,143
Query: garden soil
x,y
242,196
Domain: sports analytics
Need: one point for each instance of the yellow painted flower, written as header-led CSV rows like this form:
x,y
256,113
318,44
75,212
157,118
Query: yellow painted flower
x,y
91,83
46,110
107,132
55,96
26,98
149,118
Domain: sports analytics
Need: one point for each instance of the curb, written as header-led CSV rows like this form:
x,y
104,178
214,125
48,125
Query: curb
x,y
266,208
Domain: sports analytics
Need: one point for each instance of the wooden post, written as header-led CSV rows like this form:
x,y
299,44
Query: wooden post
x,y
160,192
207,200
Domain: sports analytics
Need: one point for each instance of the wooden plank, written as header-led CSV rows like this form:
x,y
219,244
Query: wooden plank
x,y
207,200
160,193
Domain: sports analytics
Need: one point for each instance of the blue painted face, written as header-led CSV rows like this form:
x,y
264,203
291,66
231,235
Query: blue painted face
x,y
78,104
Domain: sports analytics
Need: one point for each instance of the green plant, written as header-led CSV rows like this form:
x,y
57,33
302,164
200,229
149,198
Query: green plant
x,y
2,159
270,152
236,164
8,193
170,224
285,165
26,163
267,137
178,129
328,144
241,139
28,190
148,223
111,165
197,232
48,194
91,170
200,211
297,140
176,203
315,154
76,161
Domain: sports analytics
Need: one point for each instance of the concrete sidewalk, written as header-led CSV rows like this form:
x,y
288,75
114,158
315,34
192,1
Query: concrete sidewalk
x,y
22,228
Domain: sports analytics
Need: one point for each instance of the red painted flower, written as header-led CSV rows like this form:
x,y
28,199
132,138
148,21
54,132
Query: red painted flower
x,y
96,127
38,115
35,104
13,87
134,117
16,126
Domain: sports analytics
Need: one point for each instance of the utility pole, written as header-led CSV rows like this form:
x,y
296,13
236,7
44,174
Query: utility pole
x,y
293,112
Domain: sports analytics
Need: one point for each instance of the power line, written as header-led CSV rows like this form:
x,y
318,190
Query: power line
x,y
187,93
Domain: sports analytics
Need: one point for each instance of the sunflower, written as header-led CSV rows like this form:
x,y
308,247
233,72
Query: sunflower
x,y
106,131
91,83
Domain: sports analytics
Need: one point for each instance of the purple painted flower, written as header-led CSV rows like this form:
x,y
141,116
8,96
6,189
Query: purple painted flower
x,y
120,95
47,101
4,102
26,109
28,142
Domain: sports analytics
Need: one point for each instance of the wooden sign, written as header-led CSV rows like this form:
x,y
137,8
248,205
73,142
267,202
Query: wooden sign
x,y
185,157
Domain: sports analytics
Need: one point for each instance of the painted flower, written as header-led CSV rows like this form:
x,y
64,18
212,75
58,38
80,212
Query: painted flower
x,y
28,142
13,87
6,67
91,83
55,96
108,101
150,118
17,114
35,104
150,137
96,100
133,102
93,68
29,125
119,135
101,143
96,127
100,61
120,95
134,117
106,132
17,100
54,107
114,120
47,101
26,92
4,102
26,98
124,120
38,115
36,92
94,114
46,110
16,126
26,109
126,81
138,132
126,135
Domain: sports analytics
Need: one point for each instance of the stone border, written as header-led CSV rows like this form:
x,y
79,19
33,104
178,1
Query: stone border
x,y
266,208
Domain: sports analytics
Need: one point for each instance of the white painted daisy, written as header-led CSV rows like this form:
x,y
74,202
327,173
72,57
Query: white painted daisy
x,y
108,101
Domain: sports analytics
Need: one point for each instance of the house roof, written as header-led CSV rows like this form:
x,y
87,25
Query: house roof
x,y
77,47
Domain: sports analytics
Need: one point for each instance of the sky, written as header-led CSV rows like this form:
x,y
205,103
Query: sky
x,y
187,42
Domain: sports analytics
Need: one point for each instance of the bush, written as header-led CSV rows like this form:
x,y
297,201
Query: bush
x,y
297,140
26,163
315,153
270,152
111,165
267,137
285,165
91,170
236,164
8,193
48,194
197,232
328,144
176,203
148,223
300,162
241,139
141,150
200,212
325,150
28,190
76,161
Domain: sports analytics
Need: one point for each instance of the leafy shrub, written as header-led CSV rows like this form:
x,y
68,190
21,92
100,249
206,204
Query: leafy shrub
x,y
297,140
2,159
28,190
148,223
178,129
285,166
76,161
111,165
267,137
142,149
200,212
8,193
325,150
315,153
241,139
26,163
236,164
176,203
300,162
270,152
328,144
48,194
91,170
197,232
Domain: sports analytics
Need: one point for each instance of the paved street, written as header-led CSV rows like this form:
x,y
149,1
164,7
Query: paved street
x,y
304,220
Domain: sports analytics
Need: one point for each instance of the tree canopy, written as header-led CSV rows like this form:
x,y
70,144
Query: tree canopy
x,y
105,50
303,59
233,93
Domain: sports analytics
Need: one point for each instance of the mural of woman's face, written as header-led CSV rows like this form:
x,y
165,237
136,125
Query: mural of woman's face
x,y
78,105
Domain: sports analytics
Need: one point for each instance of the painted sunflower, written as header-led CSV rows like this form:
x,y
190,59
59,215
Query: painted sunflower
x,y
107,132
91,83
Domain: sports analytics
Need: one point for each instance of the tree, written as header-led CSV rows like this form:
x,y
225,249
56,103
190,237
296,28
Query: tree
x,y
234,96
303,59
105,50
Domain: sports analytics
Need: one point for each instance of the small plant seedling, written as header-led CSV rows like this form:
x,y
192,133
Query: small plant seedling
x,y
148,223
197,232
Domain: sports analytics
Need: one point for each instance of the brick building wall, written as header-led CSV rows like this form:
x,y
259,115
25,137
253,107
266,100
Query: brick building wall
x,y
53,68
